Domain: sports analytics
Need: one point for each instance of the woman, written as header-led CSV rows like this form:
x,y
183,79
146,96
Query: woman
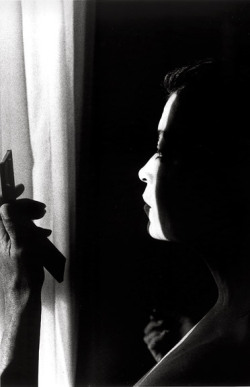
x,y
197,193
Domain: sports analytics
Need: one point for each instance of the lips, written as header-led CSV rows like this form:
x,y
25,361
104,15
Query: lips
x,y
146,208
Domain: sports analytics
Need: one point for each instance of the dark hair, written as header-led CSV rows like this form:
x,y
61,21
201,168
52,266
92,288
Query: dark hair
x,y
216,104
184,76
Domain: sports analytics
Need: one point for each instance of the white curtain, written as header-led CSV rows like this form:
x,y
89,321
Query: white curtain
x,y
37,121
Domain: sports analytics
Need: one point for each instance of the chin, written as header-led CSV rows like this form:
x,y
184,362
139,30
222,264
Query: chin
x,y
156,232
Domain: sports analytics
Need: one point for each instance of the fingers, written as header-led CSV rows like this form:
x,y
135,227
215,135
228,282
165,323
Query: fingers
x,y
154,332
23,209
43,231
7,226
152,325
157,343
16,220
155,336
19,190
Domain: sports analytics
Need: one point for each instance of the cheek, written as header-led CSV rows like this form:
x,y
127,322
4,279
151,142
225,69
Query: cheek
x,y
191,204
155,225
165,199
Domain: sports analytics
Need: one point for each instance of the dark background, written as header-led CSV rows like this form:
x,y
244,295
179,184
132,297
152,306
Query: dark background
x,y
122,273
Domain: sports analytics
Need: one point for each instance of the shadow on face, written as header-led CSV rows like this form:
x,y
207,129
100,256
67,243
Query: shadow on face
x,y
200,190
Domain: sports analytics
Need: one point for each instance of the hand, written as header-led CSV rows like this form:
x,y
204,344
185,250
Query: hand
x,y
21,269
161,335
155,337
21,275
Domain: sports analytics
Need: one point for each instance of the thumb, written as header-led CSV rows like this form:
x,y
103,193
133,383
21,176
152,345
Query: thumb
x,y
7,222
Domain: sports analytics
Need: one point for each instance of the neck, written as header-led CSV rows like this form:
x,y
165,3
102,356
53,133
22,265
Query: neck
x,y
230,267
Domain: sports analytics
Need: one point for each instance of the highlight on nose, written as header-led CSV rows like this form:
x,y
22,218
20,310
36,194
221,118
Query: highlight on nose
x,y
142,175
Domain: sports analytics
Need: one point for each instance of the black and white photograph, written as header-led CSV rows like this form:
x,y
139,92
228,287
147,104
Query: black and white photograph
x,y
125,193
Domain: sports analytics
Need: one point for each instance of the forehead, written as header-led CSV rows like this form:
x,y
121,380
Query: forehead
x,y
167,113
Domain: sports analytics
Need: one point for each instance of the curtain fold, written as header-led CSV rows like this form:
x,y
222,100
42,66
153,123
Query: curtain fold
x,y
37,121
48,57
14,123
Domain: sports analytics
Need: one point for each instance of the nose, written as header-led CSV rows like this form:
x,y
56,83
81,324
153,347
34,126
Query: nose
x,y
142,174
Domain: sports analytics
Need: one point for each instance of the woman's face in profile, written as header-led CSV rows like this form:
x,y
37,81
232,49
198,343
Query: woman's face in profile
x,y
150,174
186,197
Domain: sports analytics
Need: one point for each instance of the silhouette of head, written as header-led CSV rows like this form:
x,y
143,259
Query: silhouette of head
x,y
198,181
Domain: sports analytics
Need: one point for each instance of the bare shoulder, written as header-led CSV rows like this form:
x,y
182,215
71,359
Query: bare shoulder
x,y
202,360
